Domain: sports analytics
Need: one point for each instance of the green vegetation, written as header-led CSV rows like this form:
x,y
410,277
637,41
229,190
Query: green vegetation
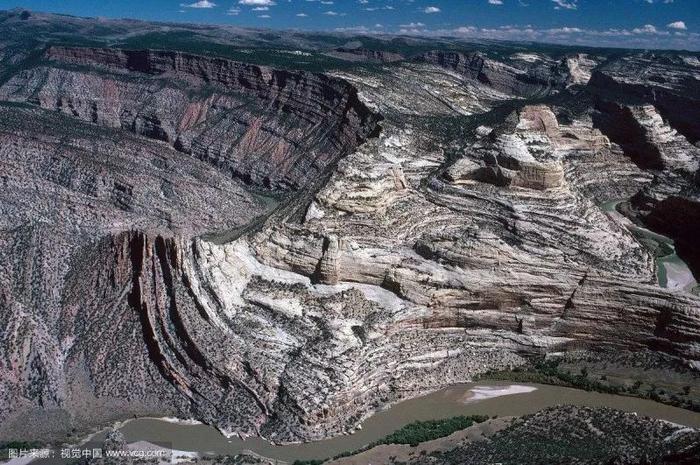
x,y
17,445
412,434
550,372
280,58
558,435
422,431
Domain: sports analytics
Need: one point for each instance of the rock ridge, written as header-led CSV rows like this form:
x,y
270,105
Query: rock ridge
x,y
272,128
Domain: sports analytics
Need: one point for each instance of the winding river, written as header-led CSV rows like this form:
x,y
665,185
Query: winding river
x,y
486,398
671,271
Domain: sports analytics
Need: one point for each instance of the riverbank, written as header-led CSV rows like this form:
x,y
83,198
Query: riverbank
x,y
484,398
487,398
398,453
671,271
603,378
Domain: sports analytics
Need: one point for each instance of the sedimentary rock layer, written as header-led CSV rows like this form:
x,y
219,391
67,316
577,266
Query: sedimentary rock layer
x,y
275,129
668,82
529,82
467,235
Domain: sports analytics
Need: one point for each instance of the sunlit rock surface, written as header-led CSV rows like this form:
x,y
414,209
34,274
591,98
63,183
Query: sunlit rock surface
x,y
282,253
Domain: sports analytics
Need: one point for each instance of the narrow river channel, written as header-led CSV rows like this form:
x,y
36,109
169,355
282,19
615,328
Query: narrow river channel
x,y
671,271
485,398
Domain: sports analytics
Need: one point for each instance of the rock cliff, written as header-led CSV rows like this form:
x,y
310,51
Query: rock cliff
x,y
271,128
524,81
665,81
140,274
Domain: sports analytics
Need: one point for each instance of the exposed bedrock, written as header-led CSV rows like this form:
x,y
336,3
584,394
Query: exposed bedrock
x,y
538,79
646,137
468,291
658,140
534,259
519,153
436,251
275,129
580,67
666,82
679,219
74,353
87,181
209,332
365,54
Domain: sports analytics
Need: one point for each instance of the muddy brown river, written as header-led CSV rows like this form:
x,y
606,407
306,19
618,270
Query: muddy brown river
x,y
486,398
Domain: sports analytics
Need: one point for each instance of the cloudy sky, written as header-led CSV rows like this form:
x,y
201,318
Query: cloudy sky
x,y
623,23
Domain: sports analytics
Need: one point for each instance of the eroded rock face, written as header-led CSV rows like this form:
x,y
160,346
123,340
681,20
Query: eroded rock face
x,y
97,216
580,68
512,166
365,54
528,82
71,195
652,115
532,267
679,218
667,82
274,129
465,236
647,138
526,151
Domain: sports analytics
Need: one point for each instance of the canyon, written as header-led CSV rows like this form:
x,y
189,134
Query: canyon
x,y
283,252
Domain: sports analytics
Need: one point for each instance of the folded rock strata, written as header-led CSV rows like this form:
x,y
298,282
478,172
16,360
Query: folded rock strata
x,y
464,236
536,79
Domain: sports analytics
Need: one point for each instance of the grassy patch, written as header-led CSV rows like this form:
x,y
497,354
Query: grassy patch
x,y
422,431
412,434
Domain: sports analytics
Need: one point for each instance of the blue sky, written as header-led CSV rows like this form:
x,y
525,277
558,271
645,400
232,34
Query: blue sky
x,y
639,23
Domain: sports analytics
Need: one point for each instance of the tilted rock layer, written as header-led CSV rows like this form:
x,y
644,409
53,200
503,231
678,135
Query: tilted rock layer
x,y
276,129
141,275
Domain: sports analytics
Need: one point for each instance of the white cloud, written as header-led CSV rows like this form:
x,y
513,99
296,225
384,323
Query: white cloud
x,y
257,2
680,25
199,4
643,37
495,2
564,30
565,4
233,11
353,29
431,9
302,15
646,29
